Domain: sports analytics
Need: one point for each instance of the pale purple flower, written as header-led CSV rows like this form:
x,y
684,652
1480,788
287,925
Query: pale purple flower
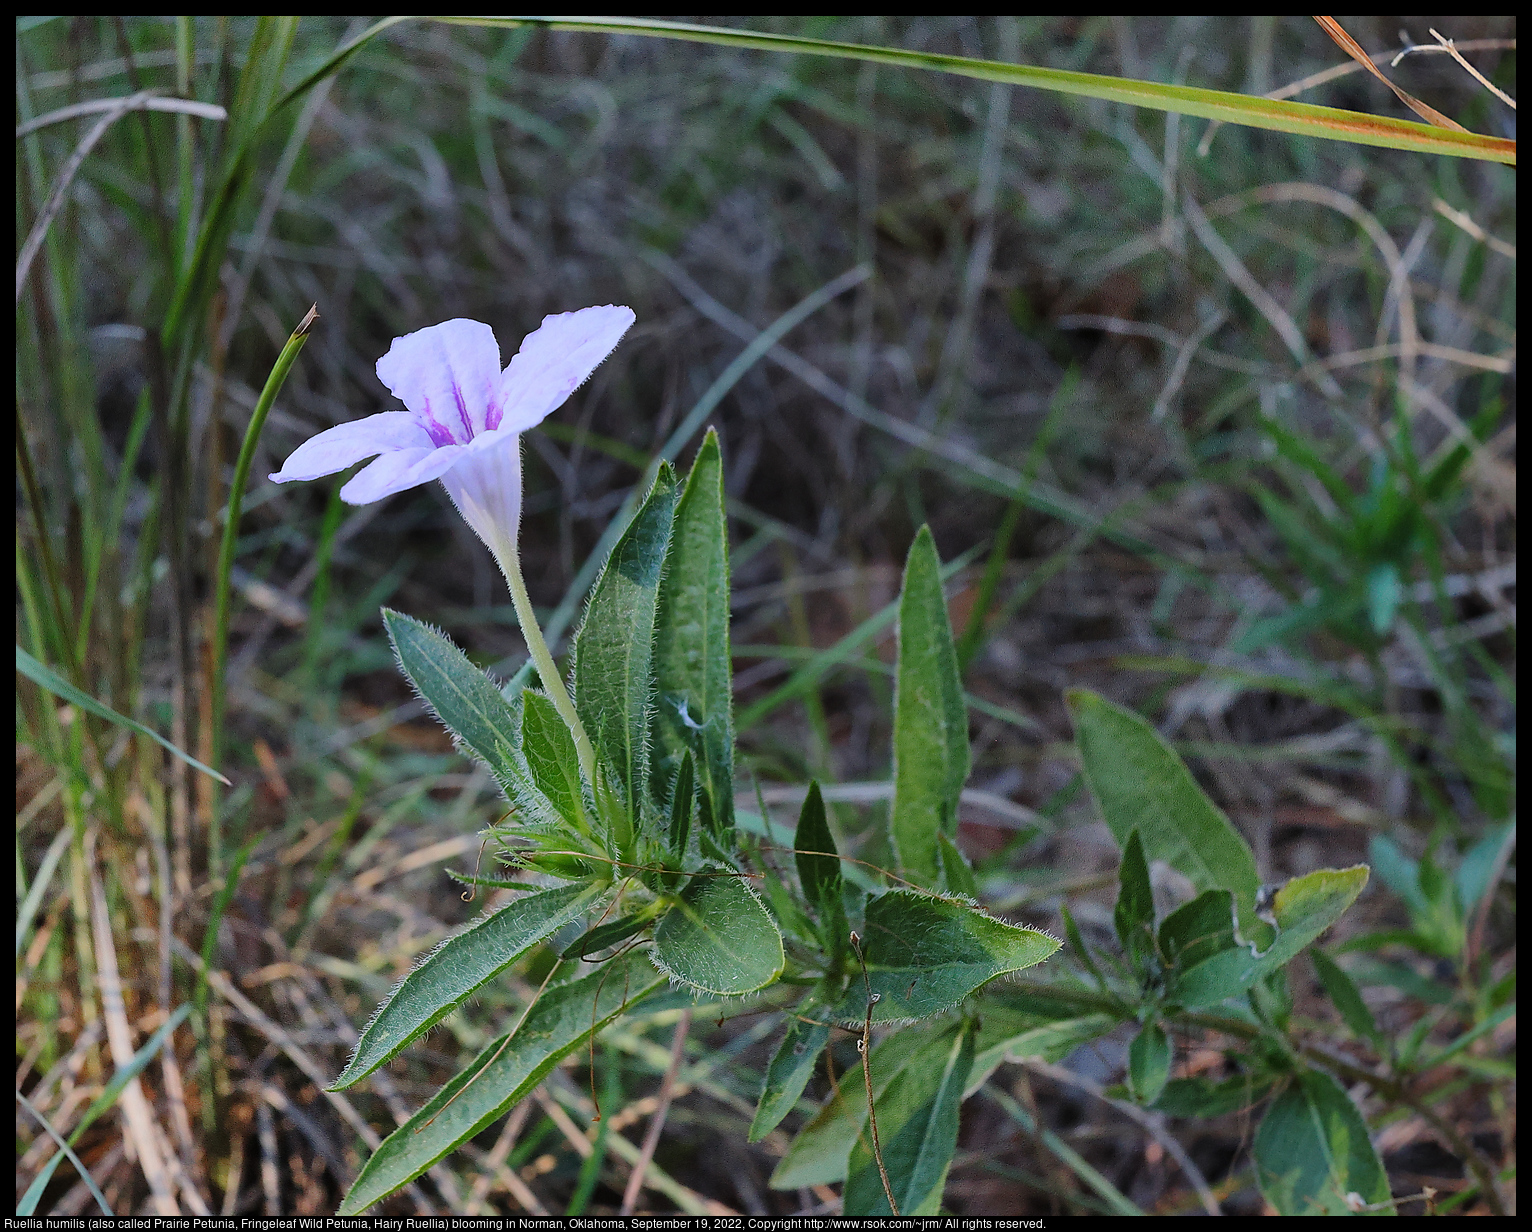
x,y
465,416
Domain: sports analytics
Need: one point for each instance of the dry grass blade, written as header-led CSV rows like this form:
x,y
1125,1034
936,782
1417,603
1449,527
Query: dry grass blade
x,y
136,102
1354,49
1154,1125
143,1130
1451,49
657,1122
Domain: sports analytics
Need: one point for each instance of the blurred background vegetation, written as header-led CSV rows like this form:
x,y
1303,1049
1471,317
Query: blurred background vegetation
x,y
1217,421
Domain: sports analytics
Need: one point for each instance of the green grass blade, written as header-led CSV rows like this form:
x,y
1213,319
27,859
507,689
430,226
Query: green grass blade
x,y
1302,119
47,678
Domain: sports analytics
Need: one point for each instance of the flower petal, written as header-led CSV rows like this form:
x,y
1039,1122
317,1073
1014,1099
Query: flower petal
x,y
485,485
336,448
446,374
394,472
553,362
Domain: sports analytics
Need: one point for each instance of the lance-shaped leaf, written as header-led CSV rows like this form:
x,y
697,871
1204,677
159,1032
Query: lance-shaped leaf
x,y
822,1149
819,870
917,1125
461,964
1006,1035
931,756
560,1021
1198,930
1148,1063
692,668
1139,783
1312,1149
614,650
791,1067
464,698
552,763
956,875
719,938
925,954
682,802
1133,915
1303,909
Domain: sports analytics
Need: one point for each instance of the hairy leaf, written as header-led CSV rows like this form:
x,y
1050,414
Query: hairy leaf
x,y
1148,1063
1312,1149
1140,783
693,675
1133,916
561,1020
819,870
917,1126
614,649
931,756
820,1152
719,938
462,696
1303,909
551,760
791,1067
461,964
925,954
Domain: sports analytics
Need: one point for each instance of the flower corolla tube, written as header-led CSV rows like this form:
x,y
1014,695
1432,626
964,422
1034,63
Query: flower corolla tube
x,y
465,416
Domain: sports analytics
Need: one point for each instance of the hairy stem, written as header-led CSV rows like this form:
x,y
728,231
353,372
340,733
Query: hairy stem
x,y
509,560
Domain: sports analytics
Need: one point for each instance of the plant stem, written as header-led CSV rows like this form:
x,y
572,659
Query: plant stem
x,y
509,560
274,382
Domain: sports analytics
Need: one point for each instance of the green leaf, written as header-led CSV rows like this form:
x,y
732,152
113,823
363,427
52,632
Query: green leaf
x,y
1139,782
1303,909
1186,1097
791,1067
693,674
561,1020
459,966
917,1126
682,802
1010,1035
719,938
45,676
614,649
594,940
822,1149
1384,593
1312,1149
931,756
956,876
1196,931
464,698
1149,1063
1346,997
1400,873
553,765
925,954
819,870
1133,916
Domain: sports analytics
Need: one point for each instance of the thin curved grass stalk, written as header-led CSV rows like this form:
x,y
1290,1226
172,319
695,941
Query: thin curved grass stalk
x,y
596,1000
864,1046
503,1044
